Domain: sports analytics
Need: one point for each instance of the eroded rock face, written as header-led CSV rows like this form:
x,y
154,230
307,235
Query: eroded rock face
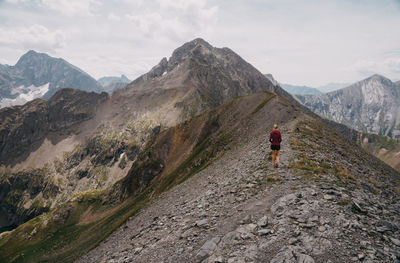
x,y
24,195
371,105
24,127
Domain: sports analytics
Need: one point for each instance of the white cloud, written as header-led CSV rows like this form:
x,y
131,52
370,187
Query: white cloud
x,y
32,37
176,20
389,66
72,7
65,7
113,17
308,42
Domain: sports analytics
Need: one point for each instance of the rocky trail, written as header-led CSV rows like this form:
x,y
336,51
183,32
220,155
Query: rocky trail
x,y
240,209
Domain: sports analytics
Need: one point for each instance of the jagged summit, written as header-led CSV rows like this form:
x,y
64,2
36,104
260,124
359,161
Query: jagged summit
x,y
33,58
214,74
178,56
377,77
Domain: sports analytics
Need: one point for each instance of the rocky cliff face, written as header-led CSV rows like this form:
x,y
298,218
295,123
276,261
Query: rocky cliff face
x,y
28,192
37,75
22,128
371,105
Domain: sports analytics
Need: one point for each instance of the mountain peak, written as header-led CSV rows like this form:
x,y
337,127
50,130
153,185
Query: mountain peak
x,y
30,56
183,51
377,77
31,52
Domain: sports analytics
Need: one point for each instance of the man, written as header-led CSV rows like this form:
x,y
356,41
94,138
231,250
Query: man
x,y
275,139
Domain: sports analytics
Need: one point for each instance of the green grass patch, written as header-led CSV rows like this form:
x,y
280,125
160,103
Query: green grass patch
x,y
265,101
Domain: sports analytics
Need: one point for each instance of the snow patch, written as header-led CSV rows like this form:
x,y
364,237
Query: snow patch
x,y
25,94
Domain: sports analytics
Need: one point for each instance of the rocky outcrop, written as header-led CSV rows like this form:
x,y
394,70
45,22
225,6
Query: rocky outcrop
x,y
37,75
371,105
25,195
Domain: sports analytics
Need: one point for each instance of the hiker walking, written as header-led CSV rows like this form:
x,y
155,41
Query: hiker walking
x,y
275,139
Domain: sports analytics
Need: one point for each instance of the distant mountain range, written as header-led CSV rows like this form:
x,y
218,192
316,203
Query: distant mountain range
x,y
105,81
332,86
370,105
293,89
298,89
38,75
110,84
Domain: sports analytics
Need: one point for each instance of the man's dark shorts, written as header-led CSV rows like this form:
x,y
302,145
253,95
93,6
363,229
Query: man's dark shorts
x,y
275,147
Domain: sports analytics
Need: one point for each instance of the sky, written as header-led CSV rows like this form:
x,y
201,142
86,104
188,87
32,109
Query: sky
x,y
308,42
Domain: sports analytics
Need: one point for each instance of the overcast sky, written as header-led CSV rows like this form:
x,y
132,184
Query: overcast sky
x,y
307,42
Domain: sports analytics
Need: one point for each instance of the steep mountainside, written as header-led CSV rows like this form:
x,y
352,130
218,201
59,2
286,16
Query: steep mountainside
x,y
92,141
371,105
25,193
201,118
37,75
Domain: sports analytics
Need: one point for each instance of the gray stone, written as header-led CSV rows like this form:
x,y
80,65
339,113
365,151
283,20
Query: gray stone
x,y
264,232
329,197
230,238
395,241
263,222
356,207
207,249
202,223
303,258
